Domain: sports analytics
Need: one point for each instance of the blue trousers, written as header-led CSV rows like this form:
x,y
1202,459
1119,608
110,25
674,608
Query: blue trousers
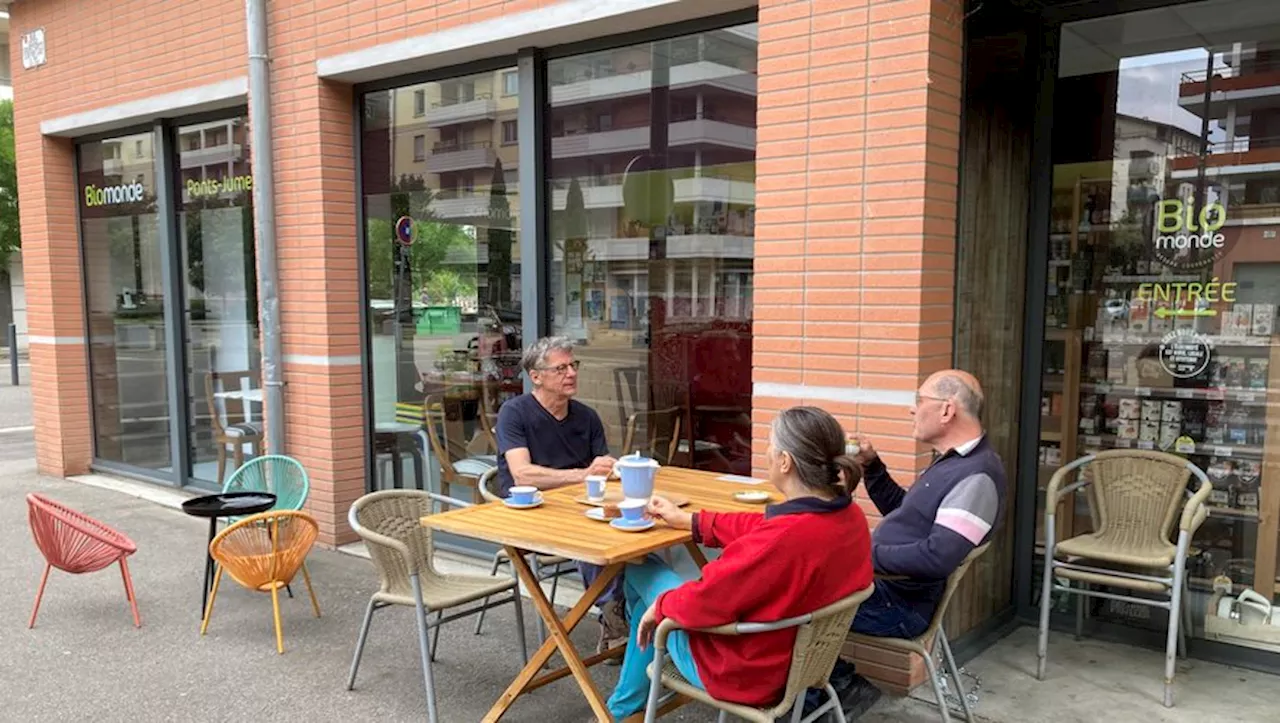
x,y
644,583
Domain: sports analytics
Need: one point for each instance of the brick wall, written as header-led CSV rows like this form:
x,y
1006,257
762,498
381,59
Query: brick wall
x,y
859,116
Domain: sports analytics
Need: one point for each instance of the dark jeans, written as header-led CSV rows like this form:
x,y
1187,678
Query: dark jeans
x,y
612,591
882,615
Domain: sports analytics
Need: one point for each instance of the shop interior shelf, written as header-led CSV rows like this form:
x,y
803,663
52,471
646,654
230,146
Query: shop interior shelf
x,y
1244,396
1109,441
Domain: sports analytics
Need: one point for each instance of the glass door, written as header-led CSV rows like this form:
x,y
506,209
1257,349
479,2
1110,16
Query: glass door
x,y
125,300
214,204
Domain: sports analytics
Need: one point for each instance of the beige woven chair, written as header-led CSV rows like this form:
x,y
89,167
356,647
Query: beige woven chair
x,y
1135,499
819,637
401,549
935,635
545,567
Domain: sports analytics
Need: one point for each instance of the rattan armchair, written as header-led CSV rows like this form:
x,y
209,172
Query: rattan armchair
x,y
1136,498
819,637
401,549
935,635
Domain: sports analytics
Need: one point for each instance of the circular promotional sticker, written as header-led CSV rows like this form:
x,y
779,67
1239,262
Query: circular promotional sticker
x,y
1185,353
404,230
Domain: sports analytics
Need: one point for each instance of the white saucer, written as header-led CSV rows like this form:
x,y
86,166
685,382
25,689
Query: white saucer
x,y
537,502
597,514
618,524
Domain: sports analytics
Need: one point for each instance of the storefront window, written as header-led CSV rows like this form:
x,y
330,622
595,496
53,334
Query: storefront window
x,y
124,287
1164,271
442,256
651,186
214,199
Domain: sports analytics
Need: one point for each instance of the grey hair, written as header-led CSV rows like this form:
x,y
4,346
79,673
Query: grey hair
x,y
816,443
536,353
951,386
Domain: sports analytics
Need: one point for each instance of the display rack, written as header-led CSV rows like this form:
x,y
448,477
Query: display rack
x,y
1245,435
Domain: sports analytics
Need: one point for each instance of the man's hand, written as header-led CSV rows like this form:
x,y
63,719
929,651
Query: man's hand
x,y
667,511
648,624
866,453
602,466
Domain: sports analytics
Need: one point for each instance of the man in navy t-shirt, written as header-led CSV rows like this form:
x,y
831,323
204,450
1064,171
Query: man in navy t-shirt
x,y
546,439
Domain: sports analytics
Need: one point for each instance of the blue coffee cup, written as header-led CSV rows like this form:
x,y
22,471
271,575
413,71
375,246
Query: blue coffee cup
x,y
523,495
632,511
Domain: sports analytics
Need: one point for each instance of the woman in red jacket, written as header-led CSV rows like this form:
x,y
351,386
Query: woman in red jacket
x,y
798,556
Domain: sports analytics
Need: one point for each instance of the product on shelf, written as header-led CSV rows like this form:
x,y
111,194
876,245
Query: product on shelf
x,y
1169,433
1222,476
1238,320
1234,376
1116,364
1151,409
1139,316
1129,408
1171,412
1149,431
1264,316
1258,369
1215,423
1238,426
1127,429
1246,497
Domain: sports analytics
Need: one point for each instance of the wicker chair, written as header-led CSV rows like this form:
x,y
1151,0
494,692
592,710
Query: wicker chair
x,y
282,476
545,567
264,552
935,635
78,544
1135,499
390,523
819,637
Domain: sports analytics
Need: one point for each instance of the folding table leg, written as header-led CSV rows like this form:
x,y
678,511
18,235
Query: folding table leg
x,y
558,640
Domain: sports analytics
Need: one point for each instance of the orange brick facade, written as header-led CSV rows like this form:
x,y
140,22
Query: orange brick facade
x,y
857,149
858,136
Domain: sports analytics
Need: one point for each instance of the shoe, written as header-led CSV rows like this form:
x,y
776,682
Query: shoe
x,y
614,630
857,698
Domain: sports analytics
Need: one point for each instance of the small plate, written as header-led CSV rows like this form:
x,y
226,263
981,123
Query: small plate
x,y
618,524
537,502
597,514
753,496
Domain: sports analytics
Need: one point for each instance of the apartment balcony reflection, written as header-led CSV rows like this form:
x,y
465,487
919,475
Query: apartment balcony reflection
x,y
679,246
606,191
701,131
447,157
451,112
584,87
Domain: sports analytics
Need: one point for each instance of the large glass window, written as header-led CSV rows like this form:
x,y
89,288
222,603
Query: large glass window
x,y
124,288
651,186
214,204
1164,271
442,255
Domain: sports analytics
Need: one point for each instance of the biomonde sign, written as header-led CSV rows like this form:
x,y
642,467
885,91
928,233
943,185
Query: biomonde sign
x,y
112,195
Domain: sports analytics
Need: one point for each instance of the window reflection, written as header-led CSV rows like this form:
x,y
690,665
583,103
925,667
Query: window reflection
x,y
441,203
652,192
1164,267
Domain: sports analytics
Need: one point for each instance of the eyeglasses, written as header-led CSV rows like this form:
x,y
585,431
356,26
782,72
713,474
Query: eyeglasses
x,y
921,397
561,369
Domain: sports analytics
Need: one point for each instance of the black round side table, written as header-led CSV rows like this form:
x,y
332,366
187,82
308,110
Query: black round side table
x,y
226,504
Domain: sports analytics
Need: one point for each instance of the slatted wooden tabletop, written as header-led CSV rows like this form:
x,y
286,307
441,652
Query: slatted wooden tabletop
x,y
560,526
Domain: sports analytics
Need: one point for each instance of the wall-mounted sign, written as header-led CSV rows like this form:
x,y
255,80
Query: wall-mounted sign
x,y
33,53
111,195
1184,353
404,230
1187,238
214,187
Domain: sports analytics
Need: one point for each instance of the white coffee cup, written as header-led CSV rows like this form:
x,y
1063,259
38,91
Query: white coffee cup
x,y
596,487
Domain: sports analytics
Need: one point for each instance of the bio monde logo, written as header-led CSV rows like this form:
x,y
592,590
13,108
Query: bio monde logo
x,y
111,195
1186,239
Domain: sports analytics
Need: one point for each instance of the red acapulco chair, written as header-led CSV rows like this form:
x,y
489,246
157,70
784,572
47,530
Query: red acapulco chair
x,y
76,543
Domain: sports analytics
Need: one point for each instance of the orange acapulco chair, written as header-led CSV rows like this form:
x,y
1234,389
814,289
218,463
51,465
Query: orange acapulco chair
x,y
76,543
264,552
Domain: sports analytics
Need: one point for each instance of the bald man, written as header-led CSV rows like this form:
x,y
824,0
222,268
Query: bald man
x,y
929,529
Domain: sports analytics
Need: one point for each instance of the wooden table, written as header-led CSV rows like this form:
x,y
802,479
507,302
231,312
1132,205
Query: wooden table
x,y
560,527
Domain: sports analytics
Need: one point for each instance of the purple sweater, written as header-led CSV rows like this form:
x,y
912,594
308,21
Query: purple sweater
x,y
929,529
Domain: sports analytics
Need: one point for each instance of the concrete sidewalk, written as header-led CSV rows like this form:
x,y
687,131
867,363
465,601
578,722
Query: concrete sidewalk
x,y
85,660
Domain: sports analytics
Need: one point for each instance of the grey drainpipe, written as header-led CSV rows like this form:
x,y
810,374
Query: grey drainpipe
x,y
264,220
